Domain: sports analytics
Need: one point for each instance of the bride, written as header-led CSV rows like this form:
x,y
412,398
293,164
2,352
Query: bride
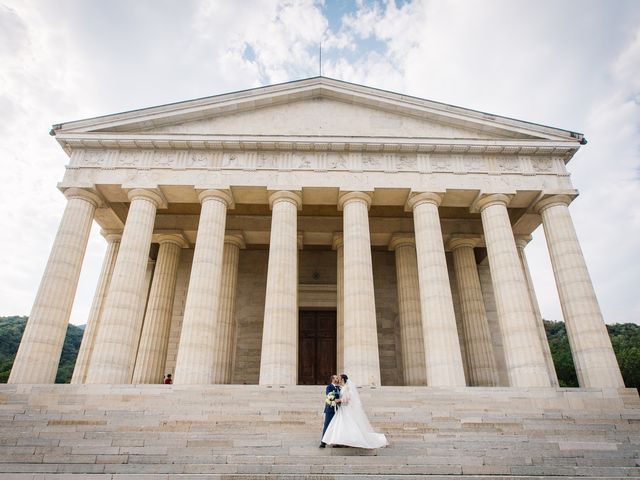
x,y
350,426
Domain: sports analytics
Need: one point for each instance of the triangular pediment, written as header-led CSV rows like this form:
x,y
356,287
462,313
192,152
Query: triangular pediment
x,y
323,116
315,107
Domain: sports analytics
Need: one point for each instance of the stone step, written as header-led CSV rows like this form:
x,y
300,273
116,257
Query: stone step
x,y
235,431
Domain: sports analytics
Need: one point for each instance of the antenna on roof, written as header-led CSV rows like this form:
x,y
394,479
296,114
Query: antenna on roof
x,y
320,61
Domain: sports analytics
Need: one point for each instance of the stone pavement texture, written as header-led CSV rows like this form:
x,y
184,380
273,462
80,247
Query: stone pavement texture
x,y
257,432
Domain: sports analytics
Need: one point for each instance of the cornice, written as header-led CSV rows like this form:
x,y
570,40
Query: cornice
x,y
315,144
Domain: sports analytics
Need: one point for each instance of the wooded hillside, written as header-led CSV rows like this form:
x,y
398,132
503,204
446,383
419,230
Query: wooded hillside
x,y
624,337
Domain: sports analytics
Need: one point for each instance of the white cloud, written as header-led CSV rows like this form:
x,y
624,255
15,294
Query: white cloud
x,y
569,64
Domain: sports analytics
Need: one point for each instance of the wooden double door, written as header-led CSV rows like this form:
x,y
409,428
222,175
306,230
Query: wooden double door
x,y
316,346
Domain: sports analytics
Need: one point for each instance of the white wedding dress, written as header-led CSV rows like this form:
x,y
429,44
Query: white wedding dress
x,y
350,425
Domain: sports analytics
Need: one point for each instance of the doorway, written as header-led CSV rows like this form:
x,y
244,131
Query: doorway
x,y
316,346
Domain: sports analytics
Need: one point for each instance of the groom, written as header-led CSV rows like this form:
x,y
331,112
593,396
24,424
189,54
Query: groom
x,y
330,411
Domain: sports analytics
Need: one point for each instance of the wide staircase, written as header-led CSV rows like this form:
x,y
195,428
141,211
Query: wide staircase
x,y
257,432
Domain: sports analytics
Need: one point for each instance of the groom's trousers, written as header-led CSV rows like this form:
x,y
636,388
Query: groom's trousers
x,y
328,416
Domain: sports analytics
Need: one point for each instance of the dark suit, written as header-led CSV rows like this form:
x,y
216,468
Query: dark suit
x,y
329,411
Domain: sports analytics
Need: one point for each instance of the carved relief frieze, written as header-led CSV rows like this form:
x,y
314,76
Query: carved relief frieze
x,y
164,158
199,160
301,161
98,158
542,165
406,162
232,160
130,158
337,161
269,160
433,163
507,164
474,163
370,161
441,163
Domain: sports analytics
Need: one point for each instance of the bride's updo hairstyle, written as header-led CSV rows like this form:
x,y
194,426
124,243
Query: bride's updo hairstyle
x,y
344,377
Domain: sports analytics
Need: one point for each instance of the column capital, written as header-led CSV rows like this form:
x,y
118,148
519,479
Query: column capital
x,y
224,196
235,237
111,236
522,240
291,196
90,196
337,242
346,197
171,236
418,198
485,200
153,195
459,241
402,240
552,201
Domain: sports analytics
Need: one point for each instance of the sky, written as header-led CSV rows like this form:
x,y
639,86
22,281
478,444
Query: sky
x,y
574,65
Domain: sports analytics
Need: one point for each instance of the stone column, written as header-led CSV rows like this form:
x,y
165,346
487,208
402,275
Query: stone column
x,y
117,340
443,359
593,355
338,246
480,358
223,346
522,347
361,356
39,351
279,356
152,350
194,364
521,242
93,322
413,357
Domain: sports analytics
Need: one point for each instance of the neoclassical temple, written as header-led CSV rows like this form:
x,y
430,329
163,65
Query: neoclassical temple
x,y
279,234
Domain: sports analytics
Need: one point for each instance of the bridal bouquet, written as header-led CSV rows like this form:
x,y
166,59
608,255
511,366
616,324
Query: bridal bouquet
x,y
331,399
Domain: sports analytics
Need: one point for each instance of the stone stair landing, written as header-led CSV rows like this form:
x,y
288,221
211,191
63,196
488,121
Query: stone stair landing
x,y
248,431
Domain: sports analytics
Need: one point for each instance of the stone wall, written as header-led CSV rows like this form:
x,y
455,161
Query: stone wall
x,y
386,293
316,267
251,290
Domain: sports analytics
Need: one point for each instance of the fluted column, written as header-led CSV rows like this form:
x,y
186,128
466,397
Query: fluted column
x,y
279,355
117,339
480,358
361,355
338,246
93,322
522,346
443,359
223,345
194,364
593,355
41,345
411,336
152,350
521,242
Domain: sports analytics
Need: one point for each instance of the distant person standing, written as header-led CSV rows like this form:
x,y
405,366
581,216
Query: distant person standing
x,y
167,379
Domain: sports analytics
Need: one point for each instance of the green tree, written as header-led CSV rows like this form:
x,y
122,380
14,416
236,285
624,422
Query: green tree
x,y
11,330
625,339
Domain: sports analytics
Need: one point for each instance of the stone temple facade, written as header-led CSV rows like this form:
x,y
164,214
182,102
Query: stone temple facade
x,y
280,234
